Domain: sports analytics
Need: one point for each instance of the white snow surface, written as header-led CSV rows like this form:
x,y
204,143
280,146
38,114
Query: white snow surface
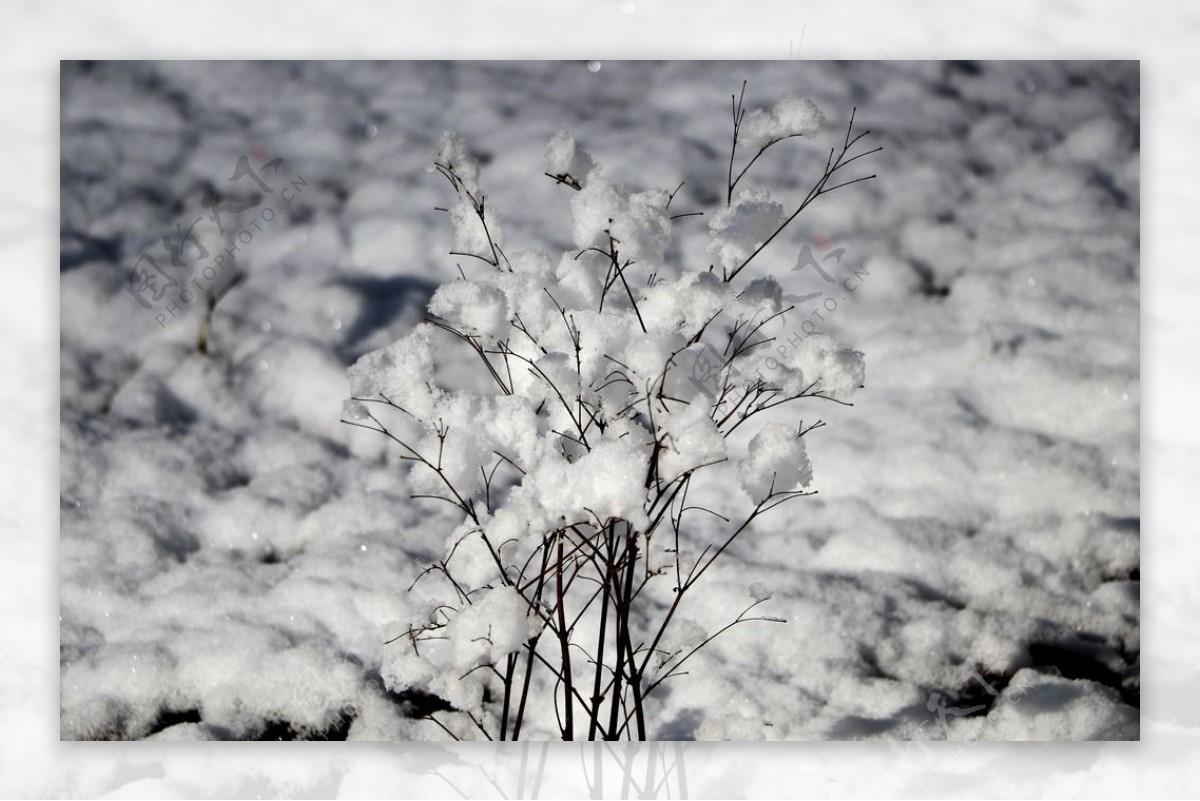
x,y
234,559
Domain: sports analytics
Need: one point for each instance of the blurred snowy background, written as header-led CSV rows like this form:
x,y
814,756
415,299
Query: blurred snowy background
x,y
230,553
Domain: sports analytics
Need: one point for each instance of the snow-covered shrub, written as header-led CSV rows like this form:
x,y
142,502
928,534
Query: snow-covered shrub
x,y
610,377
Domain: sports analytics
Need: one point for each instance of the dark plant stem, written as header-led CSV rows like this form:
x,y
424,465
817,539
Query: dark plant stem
x,y
738,114
635,680
531,646
596,696
621,621
510,667
832,165
565,645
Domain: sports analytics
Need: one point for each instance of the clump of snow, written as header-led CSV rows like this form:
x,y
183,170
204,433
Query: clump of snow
x,y
565,158
777,463
476,307
687,302
453,153
743,226
1036,706
472,235
791,116
502,620
470,556
608,480
355,410
694,440
498,622
400,372
835,369
639,222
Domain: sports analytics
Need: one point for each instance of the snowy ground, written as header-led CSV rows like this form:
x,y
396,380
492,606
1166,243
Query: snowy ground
x,y
231,553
